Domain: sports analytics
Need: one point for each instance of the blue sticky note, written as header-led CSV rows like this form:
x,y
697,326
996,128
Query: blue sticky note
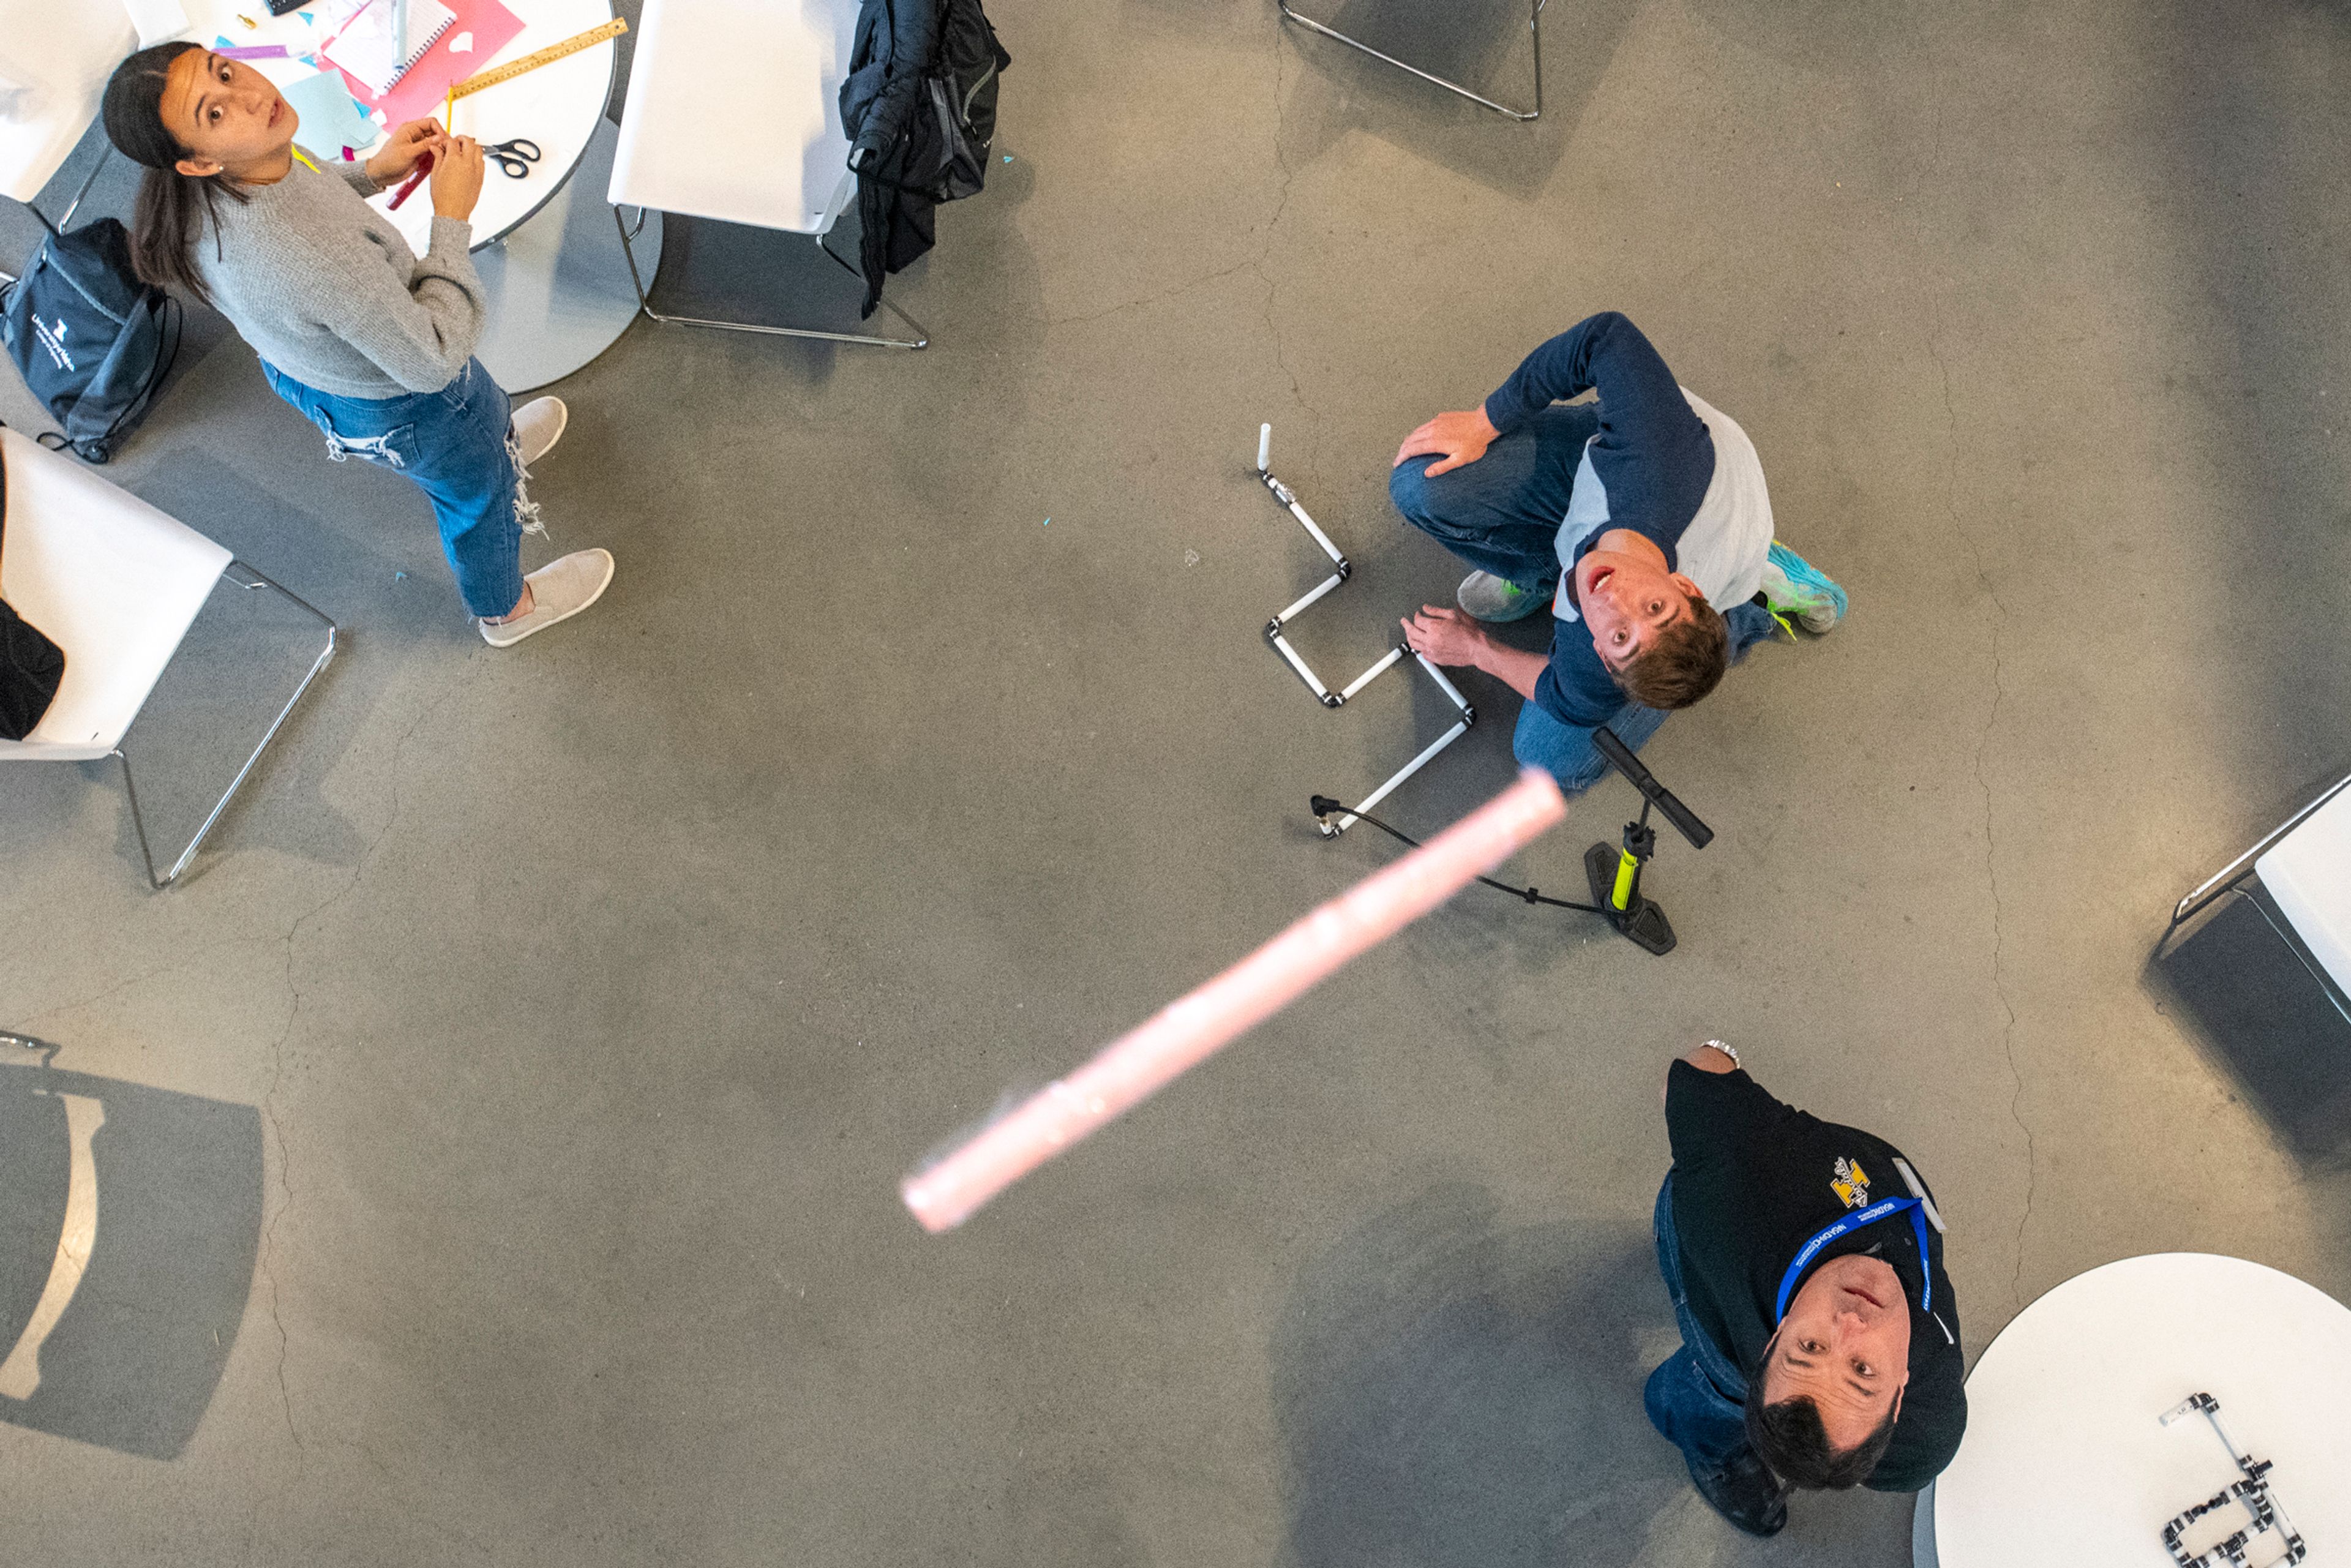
x,y
331,118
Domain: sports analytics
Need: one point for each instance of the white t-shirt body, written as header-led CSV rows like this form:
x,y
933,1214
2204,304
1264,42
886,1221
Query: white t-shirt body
x,y
1725,546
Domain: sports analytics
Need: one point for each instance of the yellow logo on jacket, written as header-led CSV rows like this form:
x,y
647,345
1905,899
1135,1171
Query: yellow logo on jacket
x,y
1851,1183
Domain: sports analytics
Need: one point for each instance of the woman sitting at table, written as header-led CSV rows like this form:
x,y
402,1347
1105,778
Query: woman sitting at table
x,y
372,345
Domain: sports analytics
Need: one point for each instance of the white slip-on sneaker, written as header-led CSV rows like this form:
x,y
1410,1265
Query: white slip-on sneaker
x,y
538,425
559,590
1485,597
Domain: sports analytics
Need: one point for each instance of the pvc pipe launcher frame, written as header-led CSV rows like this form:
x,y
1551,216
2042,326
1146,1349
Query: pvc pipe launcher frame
x,y
1612,871
1274,628
2249,1511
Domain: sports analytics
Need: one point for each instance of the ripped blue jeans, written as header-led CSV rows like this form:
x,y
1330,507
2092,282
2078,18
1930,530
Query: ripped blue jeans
x,y
458,446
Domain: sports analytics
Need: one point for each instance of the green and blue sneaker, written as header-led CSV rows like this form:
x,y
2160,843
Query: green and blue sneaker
x,y
1794,586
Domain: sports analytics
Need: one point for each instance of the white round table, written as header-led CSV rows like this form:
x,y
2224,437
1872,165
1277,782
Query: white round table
x,y
2065,1458
545,245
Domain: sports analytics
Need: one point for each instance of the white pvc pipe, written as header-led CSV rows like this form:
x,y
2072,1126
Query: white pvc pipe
x,y
1327,584
1264,446
1320,536
1309,676
1448,687
1189,1030
1374,673
1406,772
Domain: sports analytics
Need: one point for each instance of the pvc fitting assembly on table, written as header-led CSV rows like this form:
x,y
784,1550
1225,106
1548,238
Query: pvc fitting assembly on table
x,y
1396,655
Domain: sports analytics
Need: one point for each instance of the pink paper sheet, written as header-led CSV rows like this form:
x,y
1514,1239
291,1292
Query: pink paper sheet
x,y
420,93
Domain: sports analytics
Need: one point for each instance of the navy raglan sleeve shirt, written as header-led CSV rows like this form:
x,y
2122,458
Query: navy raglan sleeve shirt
x,y
1576,687
1653,457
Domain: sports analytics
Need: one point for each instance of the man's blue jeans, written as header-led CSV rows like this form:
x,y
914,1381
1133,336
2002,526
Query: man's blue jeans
x,y
455,445
1697,1398
1502,514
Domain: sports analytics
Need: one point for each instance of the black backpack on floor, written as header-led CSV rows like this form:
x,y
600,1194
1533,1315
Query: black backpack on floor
x,y
91,342
31,666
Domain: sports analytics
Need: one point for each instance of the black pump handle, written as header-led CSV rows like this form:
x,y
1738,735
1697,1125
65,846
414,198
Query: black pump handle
x,y
1620,757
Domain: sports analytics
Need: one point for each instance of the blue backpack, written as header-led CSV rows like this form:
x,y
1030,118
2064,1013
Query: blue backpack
x,y
91,342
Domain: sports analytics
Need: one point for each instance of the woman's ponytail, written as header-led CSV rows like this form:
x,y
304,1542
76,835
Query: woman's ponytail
x,y
171,207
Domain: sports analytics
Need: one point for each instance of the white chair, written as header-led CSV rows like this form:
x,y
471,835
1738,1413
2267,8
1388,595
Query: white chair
x,y
733,114
54,61
116,584
2304,871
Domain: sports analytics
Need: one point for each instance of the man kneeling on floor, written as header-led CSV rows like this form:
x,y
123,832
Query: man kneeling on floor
x,y
1820,1339
1641,521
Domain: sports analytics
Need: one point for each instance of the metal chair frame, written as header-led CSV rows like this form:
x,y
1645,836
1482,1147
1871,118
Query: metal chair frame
x,y
130,790
258,580
1534,27
922,339
2229,879
71,208
104,152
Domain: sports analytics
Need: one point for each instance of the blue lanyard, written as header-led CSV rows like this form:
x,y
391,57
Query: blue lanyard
x,y
1850,1223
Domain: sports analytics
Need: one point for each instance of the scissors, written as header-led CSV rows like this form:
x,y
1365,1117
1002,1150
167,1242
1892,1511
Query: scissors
x,y
514,158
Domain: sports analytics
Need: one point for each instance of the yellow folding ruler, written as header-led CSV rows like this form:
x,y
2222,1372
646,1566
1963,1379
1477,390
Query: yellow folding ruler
x,y
537,57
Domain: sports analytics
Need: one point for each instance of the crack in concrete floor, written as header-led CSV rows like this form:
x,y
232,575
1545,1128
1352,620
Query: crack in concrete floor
x,y
267,1259
1983,736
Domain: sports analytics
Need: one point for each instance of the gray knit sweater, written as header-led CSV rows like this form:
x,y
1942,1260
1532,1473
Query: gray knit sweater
x,y
326,289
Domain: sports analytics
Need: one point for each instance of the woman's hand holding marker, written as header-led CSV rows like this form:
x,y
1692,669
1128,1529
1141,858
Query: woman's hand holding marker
x,y
456,177
408,146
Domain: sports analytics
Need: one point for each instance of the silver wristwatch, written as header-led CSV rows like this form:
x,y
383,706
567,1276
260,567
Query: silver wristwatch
x,y
1727,1048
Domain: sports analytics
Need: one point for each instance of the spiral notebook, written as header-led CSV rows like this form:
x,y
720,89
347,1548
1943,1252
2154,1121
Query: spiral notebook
x,y
366,50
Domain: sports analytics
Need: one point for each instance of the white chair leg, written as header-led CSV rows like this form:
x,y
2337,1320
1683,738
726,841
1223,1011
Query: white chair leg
x,y
921,339
130,790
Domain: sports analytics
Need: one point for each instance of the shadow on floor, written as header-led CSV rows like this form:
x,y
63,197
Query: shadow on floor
x,y
1455,1394
2264,1019
248,650
1485,45
728,272
130,1223
1072,1513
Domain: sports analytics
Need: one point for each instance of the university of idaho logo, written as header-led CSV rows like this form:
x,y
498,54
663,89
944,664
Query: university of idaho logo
x,y
53,338
1851,1183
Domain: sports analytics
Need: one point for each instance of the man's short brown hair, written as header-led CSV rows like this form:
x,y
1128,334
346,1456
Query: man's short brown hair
x,y
1683,661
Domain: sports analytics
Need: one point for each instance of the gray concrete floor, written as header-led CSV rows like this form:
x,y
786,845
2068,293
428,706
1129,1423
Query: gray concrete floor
x,y
594,996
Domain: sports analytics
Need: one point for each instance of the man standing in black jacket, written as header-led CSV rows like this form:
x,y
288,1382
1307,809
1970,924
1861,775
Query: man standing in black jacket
x,y
1820,1337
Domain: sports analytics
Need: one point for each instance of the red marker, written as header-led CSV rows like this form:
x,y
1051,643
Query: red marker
x,y
408,187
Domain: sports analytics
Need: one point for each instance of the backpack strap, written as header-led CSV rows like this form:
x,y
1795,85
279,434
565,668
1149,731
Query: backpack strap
x,y
167,352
